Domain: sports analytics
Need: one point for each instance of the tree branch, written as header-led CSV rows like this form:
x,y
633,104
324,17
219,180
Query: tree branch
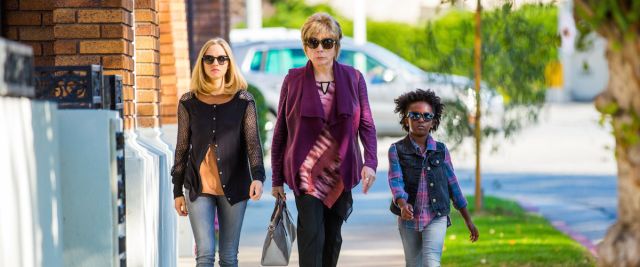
x,y
585,7
606,28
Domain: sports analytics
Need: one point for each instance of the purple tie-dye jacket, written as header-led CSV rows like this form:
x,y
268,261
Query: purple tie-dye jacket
x,y
301,119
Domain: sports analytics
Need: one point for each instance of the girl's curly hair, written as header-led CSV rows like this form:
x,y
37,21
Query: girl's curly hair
x,y
405,100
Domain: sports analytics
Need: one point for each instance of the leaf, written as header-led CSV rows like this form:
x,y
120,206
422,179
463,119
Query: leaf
x,y
618,16
611,108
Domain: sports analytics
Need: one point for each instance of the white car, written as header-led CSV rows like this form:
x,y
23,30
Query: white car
x,y
265,58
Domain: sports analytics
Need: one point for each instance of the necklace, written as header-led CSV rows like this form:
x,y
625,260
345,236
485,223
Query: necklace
x,y
325,86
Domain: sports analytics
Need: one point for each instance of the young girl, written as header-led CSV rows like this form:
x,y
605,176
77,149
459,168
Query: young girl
x,y
422,181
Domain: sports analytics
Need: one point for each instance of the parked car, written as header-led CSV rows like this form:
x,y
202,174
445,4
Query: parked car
x,y
266,56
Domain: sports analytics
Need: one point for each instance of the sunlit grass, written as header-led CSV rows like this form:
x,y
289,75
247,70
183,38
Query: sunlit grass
x,y
510,237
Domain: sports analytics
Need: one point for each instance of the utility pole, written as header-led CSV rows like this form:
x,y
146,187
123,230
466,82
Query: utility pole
x,y
254,14
359,22
360,33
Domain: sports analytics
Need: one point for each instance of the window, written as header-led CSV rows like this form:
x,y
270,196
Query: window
x,y
256,61
372,69
279,61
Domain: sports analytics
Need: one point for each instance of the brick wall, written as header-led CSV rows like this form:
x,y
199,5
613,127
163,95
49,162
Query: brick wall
x,y
77,32
206,19
174,57
83,32
30,22
97,32
147,66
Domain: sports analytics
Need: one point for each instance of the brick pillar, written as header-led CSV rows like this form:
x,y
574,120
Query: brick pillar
x,y
206,19
97,32
30,22
174,57
147,46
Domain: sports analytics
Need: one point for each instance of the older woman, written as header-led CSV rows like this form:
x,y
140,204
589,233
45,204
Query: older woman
x,y
323,109
218,154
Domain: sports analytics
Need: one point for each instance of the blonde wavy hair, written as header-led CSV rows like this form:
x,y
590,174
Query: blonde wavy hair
x,y
321,23
232,80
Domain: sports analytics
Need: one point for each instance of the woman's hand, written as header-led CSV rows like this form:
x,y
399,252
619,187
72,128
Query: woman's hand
x,y
368,177
181,206
473,231
255,190
278,192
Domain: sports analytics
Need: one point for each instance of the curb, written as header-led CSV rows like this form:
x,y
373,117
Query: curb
x,y
562,227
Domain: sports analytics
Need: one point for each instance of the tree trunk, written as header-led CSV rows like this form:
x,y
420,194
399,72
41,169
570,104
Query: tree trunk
x,y
621,246
478,76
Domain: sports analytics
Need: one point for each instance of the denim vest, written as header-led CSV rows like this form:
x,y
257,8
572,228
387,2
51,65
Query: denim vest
x,y
412,165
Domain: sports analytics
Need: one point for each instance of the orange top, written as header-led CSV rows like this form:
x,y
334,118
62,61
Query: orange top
x,y
209,174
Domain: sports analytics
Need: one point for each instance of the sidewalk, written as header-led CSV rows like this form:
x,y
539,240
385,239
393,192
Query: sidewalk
x,y
370,233
560,168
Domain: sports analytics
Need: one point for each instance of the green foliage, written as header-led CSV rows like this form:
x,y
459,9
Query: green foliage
x,y
517,46
293,13
610,109
457,119
615,20
626,131
509,236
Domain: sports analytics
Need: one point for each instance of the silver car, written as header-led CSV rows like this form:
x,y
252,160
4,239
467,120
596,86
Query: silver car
x,y
265,63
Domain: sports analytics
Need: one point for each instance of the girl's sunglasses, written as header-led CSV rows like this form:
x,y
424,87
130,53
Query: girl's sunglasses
x,y
327,43
417,116
208,59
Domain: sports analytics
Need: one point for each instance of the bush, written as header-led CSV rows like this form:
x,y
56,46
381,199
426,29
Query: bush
x,y
517,46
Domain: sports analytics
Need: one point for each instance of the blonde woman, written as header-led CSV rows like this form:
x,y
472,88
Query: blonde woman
x,y
218,158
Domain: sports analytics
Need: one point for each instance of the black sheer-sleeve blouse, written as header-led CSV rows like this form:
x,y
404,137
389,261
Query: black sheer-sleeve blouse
x,y
231,129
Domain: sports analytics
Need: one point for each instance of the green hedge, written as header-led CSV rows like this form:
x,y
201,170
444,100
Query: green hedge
x,y
517,46
452,31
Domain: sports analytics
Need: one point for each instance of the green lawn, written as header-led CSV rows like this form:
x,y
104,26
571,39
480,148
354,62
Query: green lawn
x,y
510,237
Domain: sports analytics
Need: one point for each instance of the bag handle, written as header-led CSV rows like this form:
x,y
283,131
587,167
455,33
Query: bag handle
x,y
276,216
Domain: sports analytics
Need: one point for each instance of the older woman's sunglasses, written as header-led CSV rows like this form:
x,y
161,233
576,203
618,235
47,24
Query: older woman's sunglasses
x,y
417,116
327,43
209,59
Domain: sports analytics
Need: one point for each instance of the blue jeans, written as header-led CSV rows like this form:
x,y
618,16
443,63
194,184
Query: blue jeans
x,y
202,218
424,249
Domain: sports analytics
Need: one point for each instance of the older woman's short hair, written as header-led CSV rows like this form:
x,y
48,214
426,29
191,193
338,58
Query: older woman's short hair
x,y
322,23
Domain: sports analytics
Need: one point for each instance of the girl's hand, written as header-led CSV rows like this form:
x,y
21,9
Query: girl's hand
x,y
406,211
473,231
255,190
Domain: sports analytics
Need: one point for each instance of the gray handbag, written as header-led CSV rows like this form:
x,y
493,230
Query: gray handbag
x,y
280,236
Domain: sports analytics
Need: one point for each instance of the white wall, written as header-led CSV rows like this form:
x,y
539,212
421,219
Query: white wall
x,y
31,229
89,186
